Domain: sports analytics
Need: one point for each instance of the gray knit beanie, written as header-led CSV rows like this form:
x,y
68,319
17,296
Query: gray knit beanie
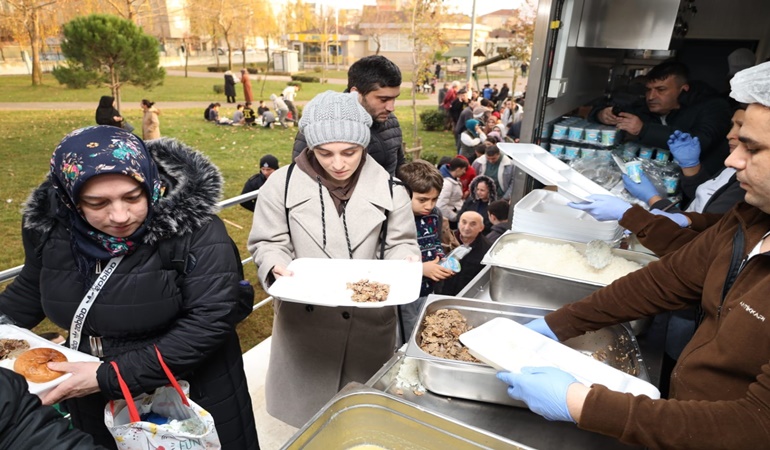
x,y
335,117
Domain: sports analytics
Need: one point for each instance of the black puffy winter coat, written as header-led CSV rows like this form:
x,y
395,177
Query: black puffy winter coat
x,y
191,318
27,425
384,145
105,112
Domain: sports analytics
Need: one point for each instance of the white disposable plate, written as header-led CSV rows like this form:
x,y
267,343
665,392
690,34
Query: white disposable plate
x,y
507,345
321,281
35,341
549,170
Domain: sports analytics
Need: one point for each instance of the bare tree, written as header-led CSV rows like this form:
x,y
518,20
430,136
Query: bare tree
x,y
31,18
375,23
222,19
268,29
297,16
128,9
522,30
426,37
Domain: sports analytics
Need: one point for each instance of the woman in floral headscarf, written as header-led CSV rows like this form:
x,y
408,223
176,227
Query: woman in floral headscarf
x,y
110,200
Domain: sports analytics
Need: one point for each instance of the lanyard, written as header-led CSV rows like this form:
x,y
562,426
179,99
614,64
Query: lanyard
x,y
76,329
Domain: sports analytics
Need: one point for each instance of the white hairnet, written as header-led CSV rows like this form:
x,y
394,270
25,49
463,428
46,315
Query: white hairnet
x,y
740,59
752,85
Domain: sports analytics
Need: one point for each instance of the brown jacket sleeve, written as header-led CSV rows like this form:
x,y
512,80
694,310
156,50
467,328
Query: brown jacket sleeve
x,y
662,235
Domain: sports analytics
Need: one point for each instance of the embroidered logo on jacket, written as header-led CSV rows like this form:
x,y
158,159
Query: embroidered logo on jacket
x,y
751,311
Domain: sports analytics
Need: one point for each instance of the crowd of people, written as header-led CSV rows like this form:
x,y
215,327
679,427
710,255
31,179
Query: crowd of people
x,y
284,111
114,200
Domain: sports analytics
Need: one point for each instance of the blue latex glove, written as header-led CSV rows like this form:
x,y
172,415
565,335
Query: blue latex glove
x,y
644,191
603,207
680,219
540,326
543,389
685,149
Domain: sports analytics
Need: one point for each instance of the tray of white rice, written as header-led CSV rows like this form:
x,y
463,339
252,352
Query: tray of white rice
x,y
559,258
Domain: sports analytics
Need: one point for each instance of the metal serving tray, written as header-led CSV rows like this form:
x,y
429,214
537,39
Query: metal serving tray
x,y
511,237
358,417
476,381
521,286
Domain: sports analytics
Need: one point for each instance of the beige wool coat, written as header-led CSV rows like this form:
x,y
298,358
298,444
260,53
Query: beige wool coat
x,y
316,350
151,124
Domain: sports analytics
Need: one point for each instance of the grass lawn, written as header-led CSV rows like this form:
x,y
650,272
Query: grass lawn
x,y
29,138
17,88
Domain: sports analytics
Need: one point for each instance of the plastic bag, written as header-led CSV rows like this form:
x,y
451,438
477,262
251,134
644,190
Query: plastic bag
x,y
164,419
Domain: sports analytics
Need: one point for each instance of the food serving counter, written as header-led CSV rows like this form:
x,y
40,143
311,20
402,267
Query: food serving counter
x,y
651,341
514,423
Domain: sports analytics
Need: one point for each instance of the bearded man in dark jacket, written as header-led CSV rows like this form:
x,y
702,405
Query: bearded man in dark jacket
x,y
378,80
673,102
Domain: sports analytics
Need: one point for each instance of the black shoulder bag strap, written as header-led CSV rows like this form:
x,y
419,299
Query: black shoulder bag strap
x,y
175,254
286,196
384,229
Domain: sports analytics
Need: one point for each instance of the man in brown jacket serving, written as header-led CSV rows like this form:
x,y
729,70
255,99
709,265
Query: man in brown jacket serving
x,y
720,387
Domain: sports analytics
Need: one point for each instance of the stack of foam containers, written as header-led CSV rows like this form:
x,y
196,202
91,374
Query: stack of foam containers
x,y
545,213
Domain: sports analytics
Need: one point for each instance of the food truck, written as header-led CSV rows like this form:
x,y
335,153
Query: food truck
x,y
585,52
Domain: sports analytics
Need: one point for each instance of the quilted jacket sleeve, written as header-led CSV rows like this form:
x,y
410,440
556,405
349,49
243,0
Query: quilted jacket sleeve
x,y
21,299
26,424
210,296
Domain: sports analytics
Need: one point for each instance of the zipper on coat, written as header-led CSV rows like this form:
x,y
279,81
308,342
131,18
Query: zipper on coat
x,y
98,266
737,262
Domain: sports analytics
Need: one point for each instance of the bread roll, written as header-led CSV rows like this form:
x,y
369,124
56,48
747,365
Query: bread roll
x,y
33,364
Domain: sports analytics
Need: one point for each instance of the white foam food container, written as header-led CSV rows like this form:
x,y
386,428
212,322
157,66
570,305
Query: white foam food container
x,y
549,170
322,281
545,213
547,206
507,345
35,341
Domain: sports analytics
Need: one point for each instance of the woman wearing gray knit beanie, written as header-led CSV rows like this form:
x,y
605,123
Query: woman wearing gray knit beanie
x,y
334,204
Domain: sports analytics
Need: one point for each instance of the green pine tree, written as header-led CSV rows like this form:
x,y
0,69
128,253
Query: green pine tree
x,y
109,51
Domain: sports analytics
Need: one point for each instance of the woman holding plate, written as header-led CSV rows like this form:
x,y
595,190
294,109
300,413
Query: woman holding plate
x,y
93,237
336,203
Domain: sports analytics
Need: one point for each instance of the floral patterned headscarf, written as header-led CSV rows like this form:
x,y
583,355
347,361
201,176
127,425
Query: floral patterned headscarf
x,y
98,150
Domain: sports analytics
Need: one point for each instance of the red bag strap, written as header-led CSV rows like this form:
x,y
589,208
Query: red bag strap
x,y
171,377
133,414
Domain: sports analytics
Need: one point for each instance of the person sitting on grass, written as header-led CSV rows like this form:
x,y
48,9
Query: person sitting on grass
x,y
249,118
214,116
238,115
